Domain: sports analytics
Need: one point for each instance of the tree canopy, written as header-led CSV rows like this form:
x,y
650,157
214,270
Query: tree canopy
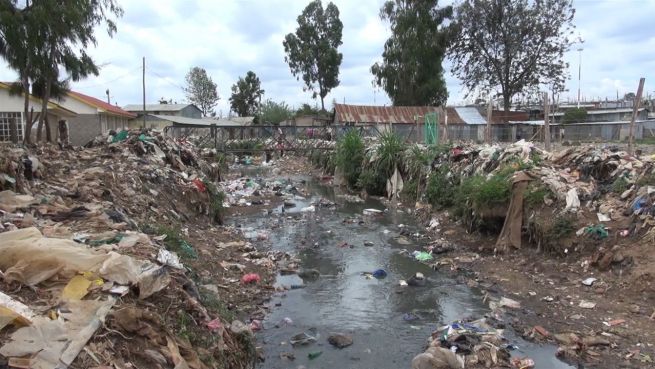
x,y
246,95
512,45
274,113
201,91
312,51
411,71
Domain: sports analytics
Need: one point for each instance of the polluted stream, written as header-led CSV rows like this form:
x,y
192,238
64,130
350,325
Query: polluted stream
x,y
389,323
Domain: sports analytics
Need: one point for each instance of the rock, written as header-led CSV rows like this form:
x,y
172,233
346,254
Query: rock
x,y
340,340
238,327
595,341
567,339
309,274
211,287
635,309
507,302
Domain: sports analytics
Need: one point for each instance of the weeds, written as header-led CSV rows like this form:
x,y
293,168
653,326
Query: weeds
x,y
620,185
214,305
647,180
175,242
386,158
349,156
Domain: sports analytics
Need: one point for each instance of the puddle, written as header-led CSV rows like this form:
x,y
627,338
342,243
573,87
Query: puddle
x,y
344,301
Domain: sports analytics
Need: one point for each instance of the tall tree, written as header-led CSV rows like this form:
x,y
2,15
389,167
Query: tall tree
x,y
246,95
312,52
411,71
512,45
201,90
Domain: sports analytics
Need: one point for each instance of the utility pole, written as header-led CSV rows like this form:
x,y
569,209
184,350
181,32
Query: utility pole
x,y
144,92
108,99
579,73
635,111
489,111
546,123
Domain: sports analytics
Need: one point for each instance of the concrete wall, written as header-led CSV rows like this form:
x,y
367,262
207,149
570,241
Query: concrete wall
x,y
83,128
151,122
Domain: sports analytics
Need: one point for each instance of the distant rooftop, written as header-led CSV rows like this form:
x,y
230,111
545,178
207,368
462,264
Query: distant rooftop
x,y
155,107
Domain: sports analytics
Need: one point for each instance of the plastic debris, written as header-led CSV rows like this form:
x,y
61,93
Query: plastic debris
x,y
372,212
587,304
379,273
314,355
169,258
302,339
250,278
76,288
507,302
13,311
309,209
589,281
422,256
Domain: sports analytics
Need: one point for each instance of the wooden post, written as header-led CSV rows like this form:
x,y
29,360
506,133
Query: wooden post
x,y
144,92
489,111
635,111
546,122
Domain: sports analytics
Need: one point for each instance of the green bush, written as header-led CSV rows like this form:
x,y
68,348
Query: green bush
x,y
374,182
477,195
349,156
440,191
534,195
575,115
620,185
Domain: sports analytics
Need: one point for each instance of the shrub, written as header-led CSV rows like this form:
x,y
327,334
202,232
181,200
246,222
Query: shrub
x,y
620,185
373,182
440,190
534,195
387,157
349,156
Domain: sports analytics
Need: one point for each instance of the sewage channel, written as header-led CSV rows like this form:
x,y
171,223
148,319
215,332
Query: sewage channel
x,y
342,300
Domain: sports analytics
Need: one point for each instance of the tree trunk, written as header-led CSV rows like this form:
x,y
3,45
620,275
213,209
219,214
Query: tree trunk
x,y
27,118
48,132
322,104
507,104
44,109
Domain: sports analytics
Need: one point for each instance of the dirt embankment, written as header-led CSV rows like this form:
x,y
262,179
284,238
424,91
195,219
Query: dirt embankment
x,y
178,298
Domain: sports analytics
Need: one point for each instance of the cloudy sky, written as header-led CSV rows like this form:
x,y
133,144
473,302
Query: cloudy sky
x,y
230,37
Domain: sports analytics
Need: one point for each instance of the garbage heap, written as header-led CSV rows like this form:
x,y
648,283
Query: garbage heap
x,y
110,257
553,198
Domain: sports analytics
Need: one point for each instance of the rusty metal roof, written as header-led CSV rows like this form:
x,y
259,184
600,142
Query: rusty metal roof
x,y
381,114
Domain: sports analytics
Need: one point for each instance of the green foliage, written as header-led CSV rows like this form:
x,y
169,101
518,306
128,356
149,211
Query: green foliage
x,y
440,191
201,91
411,71
535,195
274,113
373,182
647,180
478,195
307,109
575,115
387,156
349,156
491,50
246,94
416,161
561,228
176,243
620,185
311,51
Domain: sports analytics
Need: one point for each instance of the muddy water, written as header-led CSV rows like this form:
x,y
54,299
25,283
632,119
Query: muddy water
x,y
343,300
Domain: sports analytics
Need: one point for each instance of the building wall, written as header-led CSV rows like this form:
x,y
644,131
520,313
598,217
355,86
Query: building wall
x,y
77,106
190,112
83,128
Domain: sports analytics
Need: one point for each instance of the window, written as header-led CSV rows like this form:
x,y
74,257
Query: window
x,y
5,120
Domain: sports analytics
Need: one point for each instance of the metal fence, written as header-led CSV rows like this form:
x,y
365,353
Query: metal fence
x,y
295,138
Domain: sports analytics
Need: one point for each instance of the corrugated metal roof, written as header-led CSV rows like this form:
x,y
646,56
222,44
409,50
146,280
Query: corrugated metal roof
x,y
470,115
155,107
381,114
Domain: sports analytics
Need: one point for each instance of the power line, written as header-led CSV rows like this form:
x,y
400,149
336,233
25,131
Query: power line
x,y
165,79
110,81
